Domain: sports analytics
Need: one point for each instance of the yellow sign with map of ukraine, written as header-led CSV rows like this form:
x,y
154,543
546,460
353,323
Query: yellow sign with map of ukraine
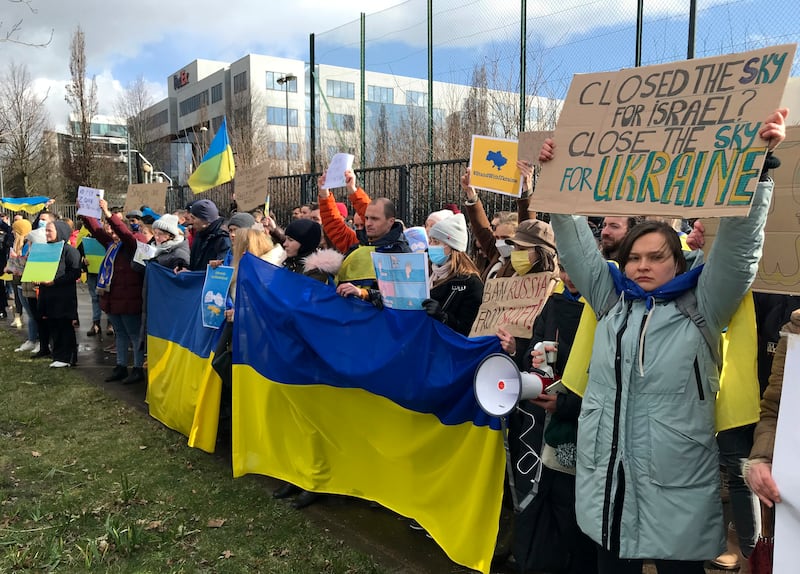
x,y
494,166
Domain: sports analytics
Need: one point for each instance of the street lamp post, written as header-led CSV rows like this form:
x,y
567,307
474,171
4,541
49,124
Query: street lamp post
x,y
284,81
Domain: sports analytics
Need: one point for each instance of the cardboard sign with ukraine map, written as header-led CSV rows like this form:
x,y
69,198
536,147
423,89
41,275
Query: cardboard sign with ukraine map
x,y
494,166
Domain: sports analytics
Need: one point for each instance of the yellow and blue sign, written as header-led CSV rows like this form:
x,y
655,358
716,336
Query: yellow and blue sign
x,y
493,162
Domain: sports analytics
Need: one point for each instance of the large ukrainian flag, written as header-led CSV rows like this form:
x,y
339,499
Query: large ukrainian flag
x,y
30,204
336,396
217,166
183,390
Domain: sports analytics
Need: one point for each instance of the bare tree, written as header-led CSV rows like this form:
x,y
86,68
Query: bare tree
x,y
130,106
11,34
82,96
248,129
23,119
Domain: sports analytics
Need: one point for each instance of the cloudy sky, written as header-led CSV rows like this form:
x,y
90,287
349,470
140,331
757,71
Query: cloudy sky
x,y
155,38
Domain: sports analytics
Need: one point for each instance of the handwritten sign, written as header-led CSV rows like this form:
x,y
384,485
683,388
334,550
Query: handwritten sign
x,y
494,166
779,268
676,139
512,303
89,201
153,195
251,187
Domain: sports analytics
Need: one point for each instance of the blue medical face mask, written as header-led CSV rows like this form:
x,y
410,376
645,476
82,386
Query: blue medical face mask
x,y
437,255
42,224
135,227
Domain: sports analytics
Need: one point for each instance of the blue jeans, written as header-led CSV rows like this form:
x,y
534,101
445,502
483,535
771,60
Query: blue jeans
x,y
33,327
734,449
91,284
128,332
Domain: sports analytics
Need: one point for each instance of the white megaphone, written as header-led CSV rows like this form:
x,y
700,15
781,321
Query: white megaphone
x,y
499,385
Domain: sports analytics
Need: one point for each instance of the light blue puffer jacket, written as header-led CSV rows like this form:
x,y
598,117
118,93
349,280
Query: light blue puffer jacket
x,y
656,428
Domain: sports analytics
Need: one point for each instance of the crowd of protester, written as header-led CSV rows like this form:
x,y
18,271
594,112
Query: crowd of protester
x,y
606,499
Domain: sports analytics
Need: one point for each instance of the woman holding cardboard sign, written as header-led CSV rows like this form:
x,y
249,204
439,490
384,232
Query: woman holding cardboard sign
x,y
647,483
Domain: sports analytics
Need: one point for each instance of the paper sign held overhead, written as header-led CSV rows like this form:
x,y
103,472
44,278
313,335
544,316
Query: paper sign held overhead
x,y
340,163
89,202
493,162
677,139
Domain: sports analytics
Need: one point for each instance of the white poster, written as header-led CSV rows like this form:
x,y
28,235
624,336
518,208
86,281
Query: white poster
x,y
340,163
89,202
786,465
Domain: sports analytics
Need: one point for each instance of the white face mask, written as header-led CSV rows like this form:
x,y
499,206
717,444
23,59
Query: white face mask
x,y
504,248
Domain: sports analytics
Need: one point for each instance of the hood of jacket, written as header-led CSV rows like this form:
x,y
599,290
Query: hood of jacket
x,y
326,260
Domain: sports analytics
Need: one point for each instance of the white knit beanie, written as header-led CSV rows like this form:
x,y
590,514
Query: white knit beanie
x,y
451,231
437,216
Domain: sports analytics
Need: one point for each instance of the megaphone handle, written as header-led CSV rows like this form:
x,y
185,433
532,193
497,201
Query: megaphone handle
x,y
509,467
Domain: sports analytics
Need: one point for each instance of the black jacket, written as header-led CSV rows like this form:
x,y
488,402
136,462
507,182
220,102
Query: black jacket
x,y
60,300
210,244
460,298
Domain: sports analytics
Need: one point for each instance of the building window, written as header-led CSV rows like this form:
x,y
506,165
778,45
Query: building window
x,y
216,93
339,89
277,150
380,94
342,122
216,123
193,103
240,82
277,116
416,98
272,82
158,119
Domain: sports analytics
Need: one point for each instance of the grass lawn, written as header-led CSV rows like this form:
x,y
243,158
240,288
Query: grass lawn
x,y
88,483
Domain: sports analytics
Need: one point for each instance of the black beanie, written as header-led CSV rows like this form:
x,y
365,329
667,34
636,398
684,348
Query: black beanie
x,y
307,233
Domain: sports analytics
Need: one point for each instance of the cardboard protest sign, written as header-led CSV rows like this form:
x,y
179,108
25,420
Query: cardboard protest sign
x,y
779,268
530,143
251,187
89,201
42,264
512,303
153,195
494,166
678,139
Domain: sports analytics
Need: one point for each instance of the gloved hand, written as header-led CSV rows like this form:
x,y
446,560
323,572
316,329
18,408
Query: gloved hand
x,y
433,309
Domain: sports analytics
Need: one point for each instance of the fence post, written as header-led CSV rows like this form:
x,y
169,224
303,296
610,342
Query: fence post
x,y
404,183
306,192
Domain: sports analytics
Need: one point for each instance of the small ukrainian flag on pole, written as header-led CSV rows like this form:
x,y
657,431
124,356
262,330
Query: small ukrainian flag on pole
x,y
217,165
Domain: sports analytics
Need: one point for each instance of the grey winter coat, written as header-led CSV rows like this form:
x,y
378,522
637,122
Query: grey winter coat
x,y
646,440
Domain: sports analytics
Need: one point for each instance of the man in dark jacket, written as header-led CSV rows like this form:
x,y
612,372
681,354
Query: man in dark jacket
x,y
211,241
